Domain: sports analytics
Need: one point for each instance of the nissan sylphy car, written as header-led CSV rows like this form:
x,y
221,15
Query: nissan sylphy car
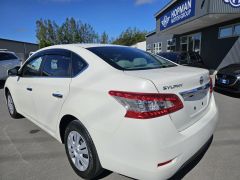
x,y
116,108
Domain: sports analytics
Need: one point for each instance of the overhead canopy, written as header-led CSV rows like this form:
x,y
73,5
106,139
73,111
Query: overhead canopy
x,y
199,23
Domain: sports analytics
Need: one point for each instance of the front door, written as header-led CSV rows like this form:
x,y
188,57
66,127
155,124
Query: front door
x,y
53,89
25,86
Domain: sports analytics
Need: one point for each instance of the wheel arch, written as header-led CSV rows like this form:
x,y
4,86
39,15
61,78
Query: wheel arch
x,y
6,90
64,122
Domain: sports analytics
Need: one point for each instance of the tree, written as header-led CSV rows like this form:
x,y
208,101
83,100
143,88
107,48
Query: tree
x,y
130,36
71,31
104,38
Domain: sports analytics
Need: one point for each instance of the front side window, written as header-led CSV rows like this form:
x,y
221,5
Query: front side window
x,y
7,56
32,68
56,66
125,58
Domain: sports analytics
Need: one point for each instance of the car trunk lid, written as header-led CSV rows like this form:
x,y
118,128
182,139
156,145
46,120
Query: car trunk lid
x,y
190,84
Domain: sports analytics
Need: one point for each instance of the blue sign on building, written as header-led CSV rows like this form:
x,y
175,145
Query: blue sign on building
x,y
179,13
233,3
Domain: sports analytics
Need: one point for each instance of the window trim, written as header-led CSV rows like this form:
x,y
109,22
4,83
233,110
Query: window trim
x,y
57,51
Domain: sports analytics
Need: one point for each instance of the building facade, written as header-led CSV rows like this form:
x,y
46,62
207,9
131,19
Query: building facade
x,y
22,49
209,27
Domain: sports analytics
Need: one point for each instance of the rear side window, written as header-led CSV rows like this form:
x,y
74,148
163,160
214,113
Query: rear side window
x,y
7,56
78,64
56,66
32,68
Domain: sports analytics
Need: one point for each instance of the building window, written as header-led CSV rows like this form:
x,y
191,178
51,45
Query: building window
x,y
157,47
225,32
171,45
184,43
229,31
237,30
149,48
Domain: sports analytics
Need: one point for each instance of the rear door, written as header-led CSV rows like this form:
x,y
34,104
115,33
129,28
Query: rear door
x,y
52,88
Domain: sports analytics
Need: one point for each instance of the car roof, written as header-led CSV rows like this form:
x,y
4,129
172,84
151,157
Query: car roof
x,y
85,46
96,45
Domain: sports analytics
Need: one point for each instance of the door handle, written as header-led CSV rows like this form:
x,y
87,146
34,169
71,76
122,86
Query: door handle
x,y
29,89
57,95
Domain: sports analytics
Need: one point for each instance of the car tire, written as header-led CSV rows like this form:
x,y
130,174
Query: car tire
x,y
81,151
11,107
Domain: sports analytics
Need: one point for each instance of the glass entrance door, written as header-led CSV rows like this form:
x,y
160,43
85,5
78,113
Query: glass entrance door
x,y
191,43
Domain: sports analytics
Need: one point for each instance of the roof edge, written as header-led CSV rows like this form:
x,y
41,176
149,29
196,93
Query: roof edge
x,y
150,33
165,7
17,41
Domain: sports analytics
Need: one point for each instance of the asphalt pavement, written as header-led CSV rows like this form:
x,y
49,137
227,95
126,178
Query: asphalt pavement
x,y
28,153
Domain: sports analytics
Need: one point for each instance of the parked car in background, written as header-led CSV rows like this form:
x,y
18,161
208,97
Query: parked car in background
x,y
228,79
184,58
116,107
8,60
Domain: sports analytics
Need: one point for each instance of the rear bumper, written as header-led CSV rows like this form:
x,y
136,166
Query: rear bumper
x,y
138,147
188,165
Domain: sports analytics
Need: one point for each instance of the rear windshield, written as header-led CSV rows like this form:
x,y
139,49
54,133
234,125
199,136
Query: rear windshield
x,y
6,56
125,58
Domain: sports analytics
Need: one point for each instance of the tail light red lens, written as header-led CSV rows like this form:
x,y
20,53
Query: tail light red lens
x,y
147,105
211,85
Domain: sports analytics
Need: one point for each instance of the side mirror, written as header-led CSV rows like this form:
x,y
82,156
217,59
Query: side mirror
x,y
13,71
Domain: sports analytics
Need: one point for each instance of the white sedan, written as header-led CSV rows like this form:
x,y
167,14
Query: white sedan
x,y
8,60
116,108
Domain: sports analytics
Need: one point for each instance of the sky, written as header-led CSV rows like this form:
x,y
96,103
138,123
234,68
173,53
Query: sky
x,y
18,17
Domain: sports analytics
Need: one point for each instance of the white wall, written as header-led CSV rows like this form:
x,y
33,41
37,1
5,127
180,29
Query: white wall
x,y
140,45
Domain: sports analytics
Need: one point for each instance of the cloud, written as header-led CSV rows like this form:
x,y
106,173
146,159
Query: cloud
x,y
141,2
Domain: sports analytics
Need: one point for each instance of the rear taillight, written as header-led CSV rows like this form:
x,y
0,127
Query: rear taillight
x,y
147,105
211,85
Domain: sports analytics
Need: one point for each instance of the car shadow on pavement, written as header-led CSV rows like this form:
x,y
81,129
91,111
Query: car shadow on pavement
x,y
227,93
2,84
189,165
104,174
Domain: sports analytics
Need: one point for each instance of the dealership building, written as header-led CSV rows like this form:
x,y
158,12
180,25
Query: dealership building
x,y
22,49
209,27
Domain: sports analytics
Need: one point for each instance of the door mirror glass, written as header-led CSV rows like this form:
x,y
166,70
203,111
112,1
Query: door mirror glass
x,y
13,71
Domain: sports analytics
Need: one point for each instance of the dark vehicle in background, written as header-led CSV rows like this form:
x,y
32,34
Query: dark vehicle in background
x,y
184,58
228,79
